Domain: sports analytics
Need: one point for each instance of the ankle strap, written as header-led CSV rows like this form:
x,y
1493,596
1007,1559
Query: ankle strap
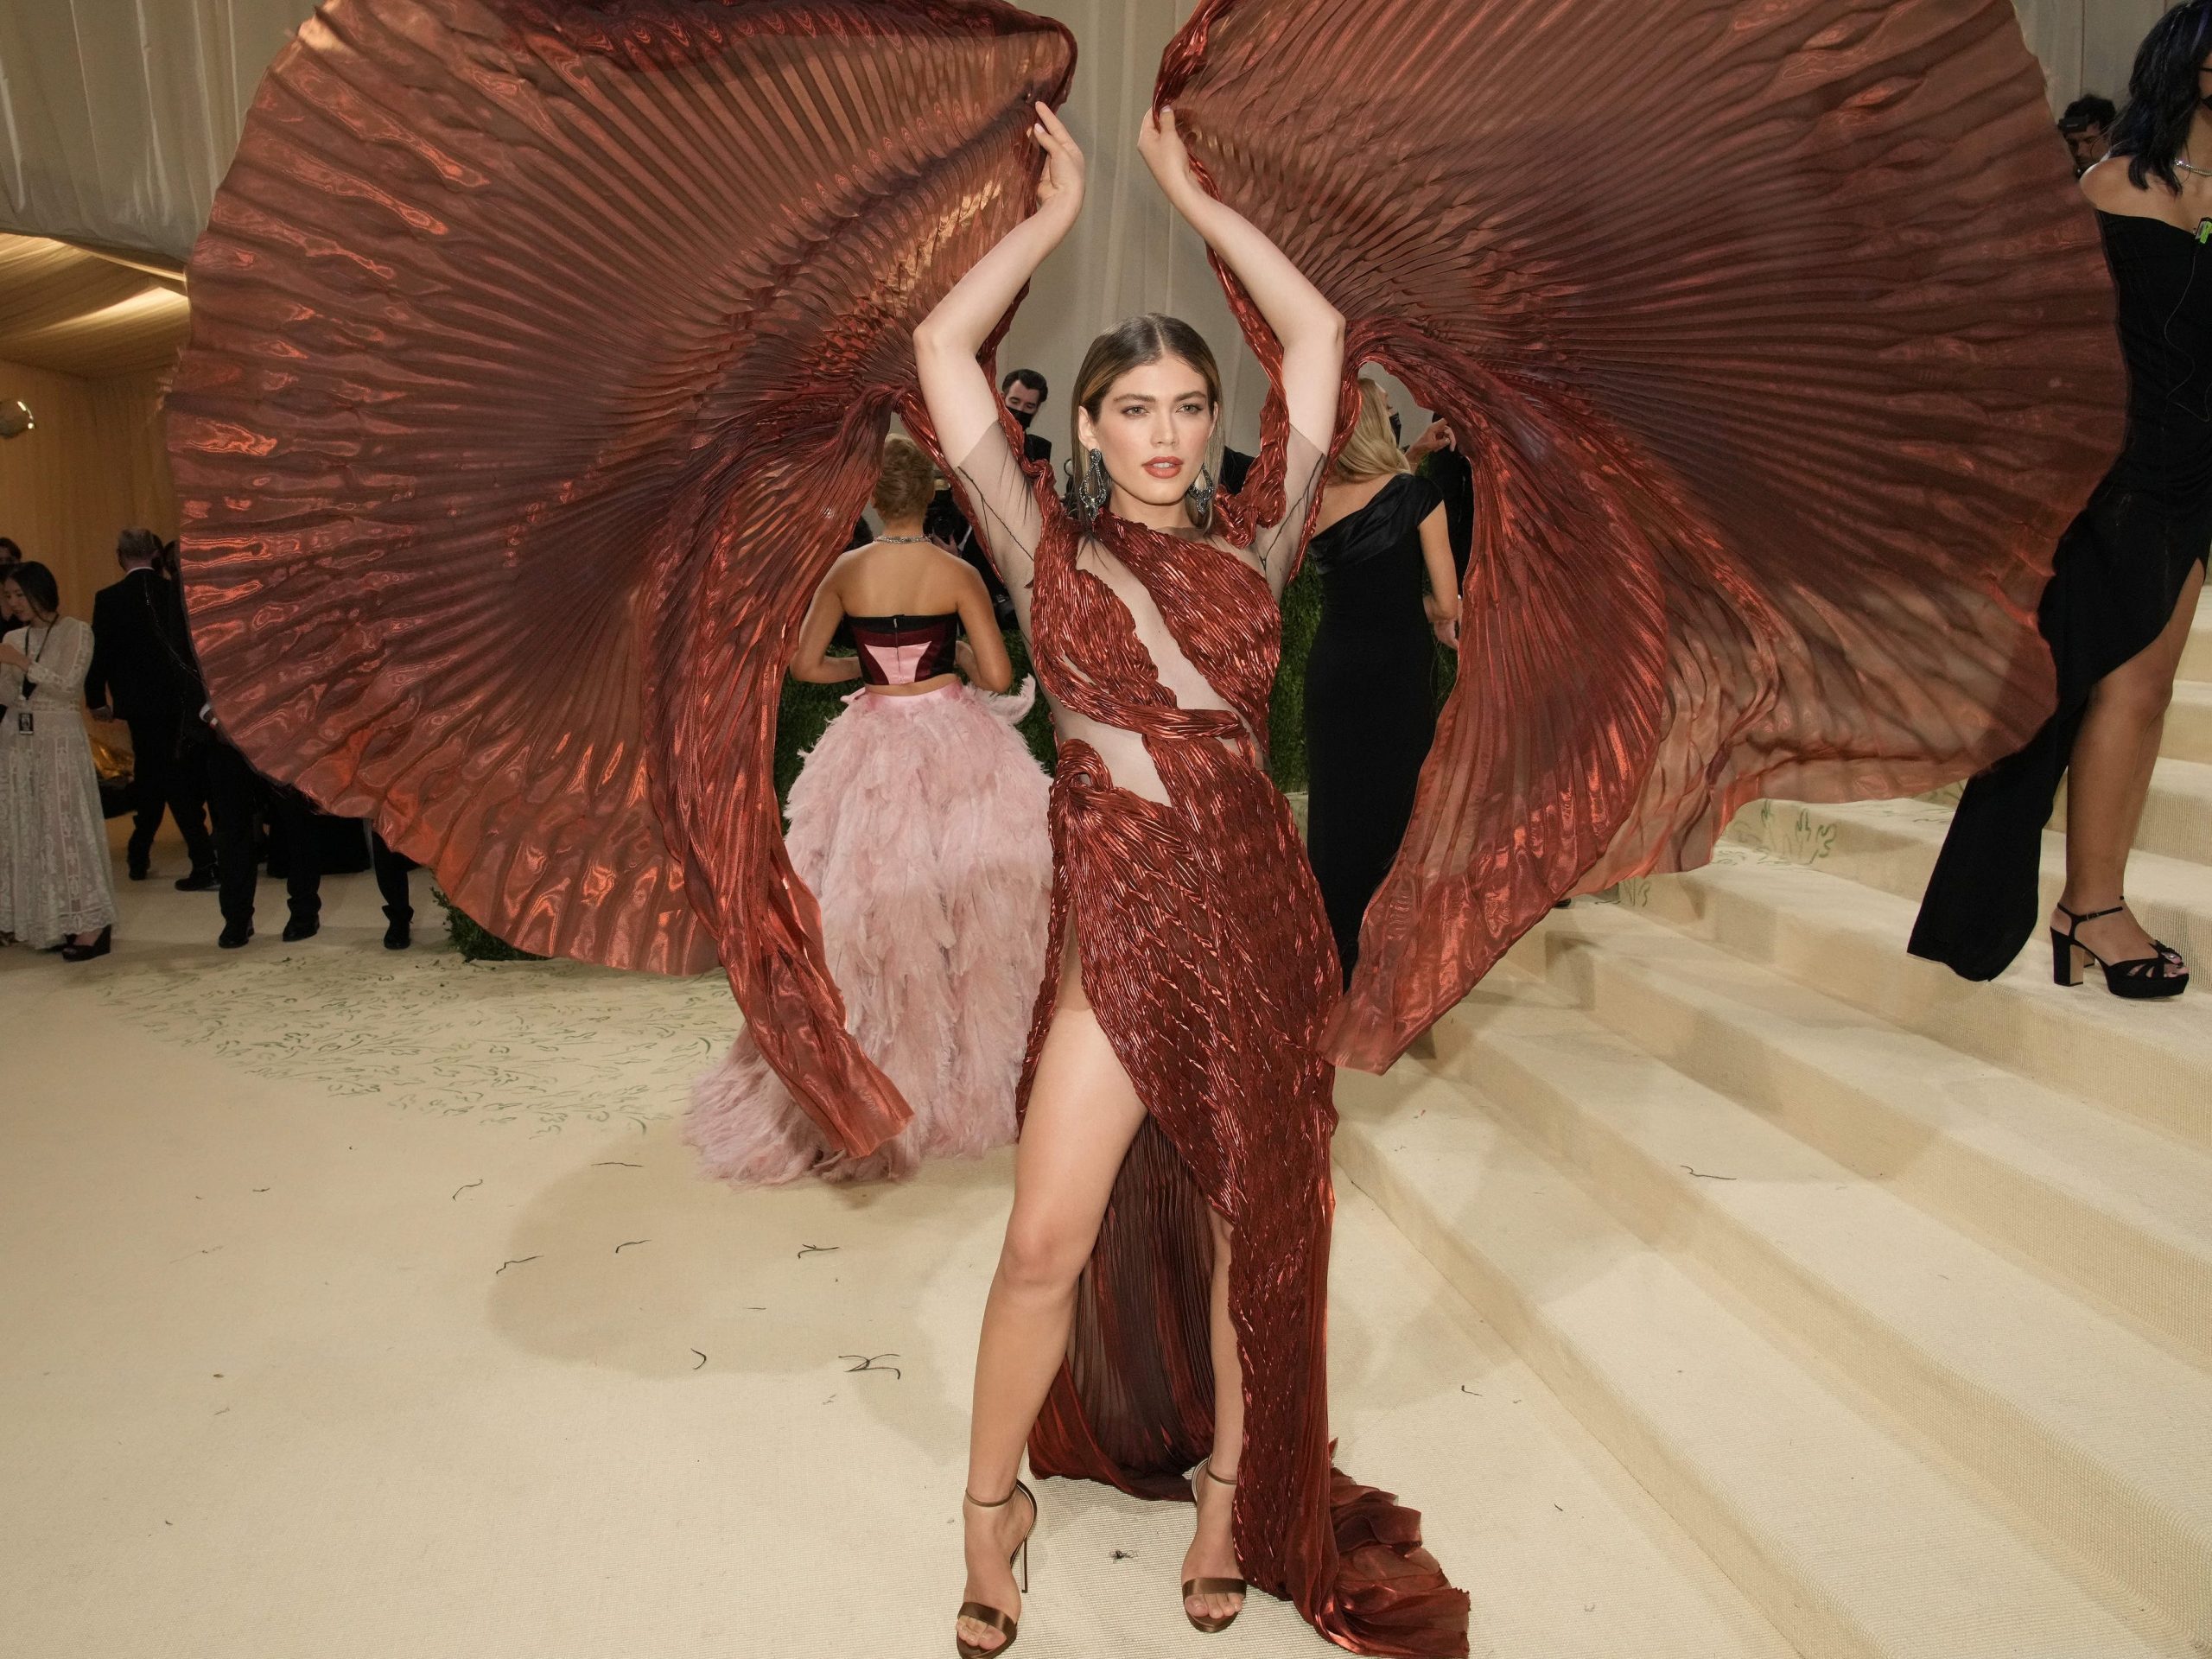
x,y
1000,1504
2077,918
1208,1466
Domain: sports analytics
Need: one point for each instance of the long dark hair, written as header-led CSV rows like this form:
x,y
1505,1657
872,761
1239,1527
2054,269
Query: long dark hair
x,y
37,584
2163,94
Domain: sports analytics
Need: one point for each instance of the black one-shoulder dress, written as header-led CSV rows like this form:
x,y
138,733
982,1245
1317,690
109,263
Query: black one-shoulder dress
x,y
1370,700
2118,574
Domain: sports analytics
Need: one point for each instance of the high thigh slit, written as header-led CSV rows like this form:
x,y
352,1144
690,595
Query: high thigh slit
x,y
1205,954
2118,573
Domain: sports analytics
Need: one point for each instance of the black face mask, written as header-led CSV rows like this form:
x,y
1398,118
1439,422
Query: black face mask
x,y
1023,416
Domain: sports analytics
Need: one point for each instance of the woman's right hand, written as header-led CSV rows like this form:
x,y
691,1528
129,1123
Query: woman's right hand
x,y
1059,191
1443,619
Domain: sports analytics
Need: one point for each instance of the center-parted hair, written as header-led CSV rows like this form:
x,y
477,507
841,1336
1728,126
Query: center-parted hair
x,y
1151,338
903,489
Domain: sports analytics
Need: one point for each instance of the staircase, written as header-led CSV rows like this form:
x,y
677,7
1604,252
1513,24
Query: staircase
x,y
1895,1291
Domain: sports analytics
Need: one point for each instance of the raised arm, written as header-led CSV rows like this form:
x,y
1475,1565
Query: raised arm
x,y
1310,329
963,405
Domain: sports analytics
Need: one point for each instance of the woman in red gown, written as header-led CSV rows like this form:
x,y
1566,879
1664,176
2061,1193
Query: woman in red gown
x,y
1161,1298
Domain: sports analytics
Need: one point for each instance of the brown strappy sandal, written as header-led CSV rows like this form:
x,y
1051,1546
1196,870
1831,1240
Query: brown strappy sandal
x,y
1210,1623
991,1616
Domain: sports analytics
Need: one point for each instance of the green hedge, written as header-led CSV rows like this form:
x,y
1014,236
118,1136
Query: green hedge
x,y
475,941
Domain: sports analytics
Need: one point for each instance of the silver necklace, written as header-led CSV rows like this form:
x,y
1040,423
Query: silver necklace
x,y
902,538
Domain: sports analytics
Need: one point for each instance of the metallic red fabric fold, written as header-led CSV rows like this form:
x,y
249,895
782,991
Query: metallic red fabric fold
x,y
1780,342
541,358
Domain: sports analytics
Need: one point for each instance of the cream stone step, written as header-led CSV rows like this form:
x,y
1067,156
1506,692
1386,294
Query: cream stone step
x,y
2196,655
2111,1210
2104,1438
1848,1540
2177,816
2151,1062
1892,845
2189,723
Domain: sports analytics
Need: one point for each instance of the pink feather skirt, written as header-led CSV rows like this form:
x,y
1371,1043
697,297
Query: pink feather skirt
x,y
919,823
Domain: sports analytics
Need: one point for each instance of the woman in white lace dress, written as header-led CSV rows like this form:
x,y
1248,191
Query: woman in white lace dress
x,y
56,886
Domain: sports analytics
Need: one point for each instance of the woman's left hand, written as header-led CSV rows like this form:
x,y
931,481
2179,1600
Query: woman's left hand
x,y
13,657
1161,145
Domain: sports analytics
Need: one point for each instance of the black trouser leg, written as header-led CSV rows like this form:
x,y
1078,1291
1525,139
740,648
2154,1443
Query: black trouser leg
x,y
152,741
391,878
188,802
234,791
302,856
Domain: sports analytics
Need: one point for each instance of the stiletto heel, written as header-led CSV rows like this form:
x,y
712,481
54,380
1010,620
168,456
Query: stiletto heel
x,y
1210,1623
992,1616
2139,979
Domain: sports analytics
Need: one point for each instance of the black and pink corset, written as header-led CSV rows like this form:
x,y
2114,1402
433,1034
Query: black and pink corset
x,y
905,649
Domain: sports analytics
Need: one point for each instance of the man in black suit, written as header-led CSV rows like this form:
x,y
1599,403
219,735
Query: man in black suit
x,y
1024,392
240,799
134,677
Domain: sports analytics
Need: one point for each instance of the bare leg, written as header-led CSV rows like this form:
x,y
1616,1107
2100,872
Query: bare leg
x,y
2108,779
1082,1114
1212,1554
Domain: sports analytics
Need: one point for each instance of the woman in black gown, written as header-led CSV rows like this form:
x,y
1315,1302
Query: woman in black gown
x,y
2124,588
1370,680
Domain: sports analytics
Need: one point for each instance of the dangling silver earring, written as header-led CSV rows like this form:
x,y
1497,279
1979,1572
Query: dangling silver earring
x,y
1199,498
1094,489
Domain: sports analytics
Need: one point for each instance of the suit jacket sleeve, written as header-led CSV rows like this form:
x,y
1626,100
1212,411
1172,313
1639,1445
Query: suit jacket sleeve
x,y
96,687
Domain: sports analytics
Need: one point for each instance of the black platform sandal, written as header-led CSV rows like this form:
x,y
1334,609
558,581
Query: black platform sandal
x,y
2141,978
991,1618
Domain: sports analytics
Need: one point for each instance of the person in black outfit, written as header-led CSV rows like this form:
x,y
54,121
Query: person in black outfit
x,y
133,677
1024,392
1435,456
2087,127
1371,686
240,799
2126,575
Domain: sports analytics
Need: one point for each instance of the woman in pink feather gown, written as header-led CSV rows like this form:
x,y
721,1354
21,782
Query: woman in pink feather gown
x,y
919,823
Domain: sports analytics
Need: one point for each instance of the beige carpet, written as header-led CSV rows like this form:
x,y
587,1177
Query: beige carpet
x,y
366,1305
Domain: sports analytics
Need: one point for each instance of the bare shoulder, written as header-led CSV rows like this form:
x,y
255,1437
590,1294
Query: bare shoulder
x,y
943,567
2109,186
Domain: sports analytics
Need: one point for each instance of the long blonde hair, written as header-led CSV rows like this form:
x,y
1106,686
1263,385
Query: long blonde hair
x,y
1371,451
